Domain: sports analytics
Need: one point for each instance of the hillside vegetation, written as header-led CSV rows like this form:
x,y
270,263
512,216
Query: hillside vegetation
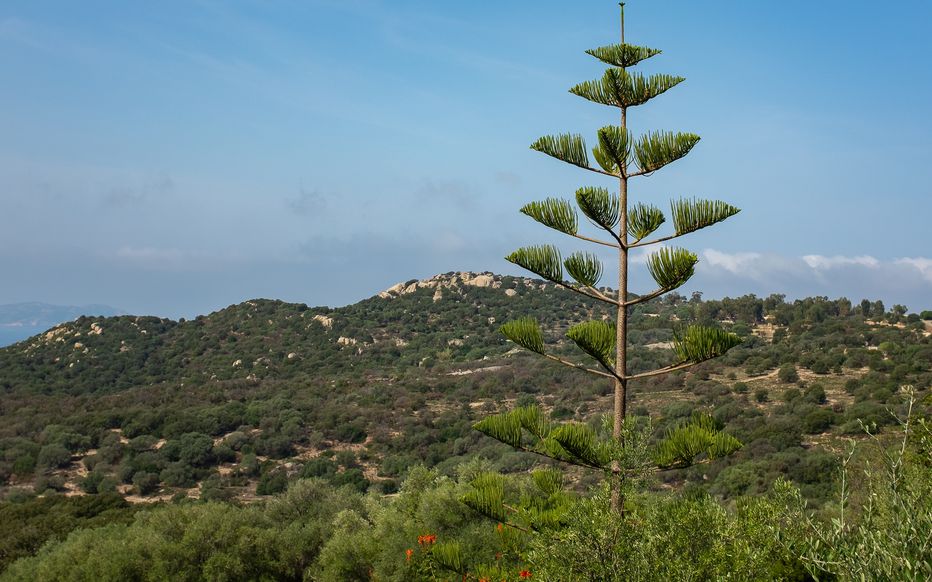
x,y
247,402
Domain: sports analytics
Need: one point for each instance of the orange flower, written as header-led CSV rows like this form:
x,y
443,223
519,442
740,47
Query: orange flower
x,y
426,539
500,527
408,553
525,573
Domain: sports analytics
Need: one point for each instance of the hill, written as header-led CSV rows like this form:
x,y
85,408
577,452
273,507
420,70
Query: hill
x,y
19,321
234,404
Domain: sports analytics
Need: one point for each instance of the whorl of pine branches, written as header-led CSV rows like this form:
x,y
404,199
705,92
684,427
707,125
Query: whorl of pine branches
x,y
596,338
599,205
526,428
544,260
692,215
700,343
543,504
700,436
659,148
613,150
567,147
643,219
555,213
525,332
622,89
622,55
584,268
671,267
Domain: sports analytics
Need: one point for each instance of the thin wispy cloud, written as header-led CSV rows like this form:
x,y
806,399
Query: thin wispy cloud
x,y
921,264
735,263
820,262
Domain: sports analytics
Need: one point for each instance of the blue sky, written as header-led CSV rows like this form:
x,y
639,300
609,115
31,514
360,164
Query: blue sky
x,y
176,157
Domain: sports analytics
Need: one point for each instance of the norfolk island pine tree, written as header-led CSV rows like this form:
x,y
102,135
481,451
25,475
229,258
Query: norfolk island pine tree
x,y
620,157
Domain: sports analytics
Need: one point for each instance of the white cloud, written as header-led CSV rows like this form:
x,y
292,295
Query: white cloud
x,y
921,264
736,263
639,256
821,262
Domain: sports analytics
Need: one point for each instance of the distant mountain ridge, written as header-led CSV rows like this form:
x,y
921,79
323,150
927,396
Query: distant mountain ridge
x,y
19,321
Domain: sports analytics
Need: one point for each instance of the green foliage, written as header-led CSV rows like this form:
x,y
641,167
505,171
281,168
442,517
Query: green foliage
x,y
596,338
526,428
888,539
526,333
569,148
554,213
620,88
701,436
314,531
487,496
29,524
613,150
53,456
317,399
272,482
581,443
543,260
622,55
643,219
449,555
584,268
669,538
145,482
671,267
539,504
194,449
692,215
788,374
599,206
699,343
211,541
657,149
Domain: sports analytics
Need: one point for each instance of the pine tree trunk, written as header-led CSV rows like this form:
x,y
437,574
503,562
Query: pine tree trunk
x,y
621,329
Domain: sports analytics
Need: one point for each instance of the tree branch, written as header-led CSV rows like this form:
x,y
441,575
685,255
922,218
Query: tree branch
x,y
596,241
641,173
579,366
620,245
567,461
590,168
595,293
600,296
668,369
704,461
648,297
655,241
